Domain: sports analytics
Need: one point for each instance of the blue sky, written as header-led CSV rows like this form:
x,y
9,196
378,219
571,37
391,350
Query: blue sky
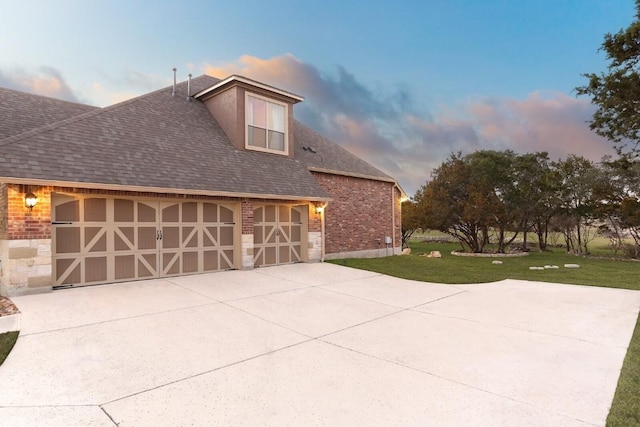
x,y
402,84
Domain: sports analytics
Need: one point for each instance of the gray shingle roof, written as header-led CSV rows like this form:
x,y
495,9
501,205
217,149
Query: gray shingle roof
x,y
21,111
166,142
321,154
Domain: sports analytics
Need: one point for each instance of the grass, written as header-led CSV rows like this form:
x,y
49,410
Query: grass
x,y
7,340
462,270
625,409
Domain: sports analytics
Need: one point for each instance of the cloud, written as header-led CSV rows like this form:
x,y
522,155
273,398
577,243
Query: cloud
x,y
46,81
552,122
387,129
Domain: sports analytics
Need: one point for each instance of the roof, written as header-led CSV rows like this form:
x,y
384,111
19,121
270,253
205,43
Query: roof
x,y
21,111
164,143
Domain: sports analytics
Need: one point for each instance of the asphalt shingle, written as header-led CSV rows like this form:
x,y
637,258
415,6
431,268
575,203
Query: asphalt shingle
x,y
159,141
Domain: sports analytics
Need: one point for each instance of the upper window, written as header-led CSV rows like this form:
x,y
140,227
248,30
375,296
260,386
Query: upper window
x,y
266,124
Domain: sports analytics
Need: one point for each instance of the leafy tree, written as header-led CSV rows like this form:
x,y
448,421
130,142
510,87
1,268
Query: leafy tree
x,y
494,170
452,203
410,221
537,194
578,179
616,92
619,205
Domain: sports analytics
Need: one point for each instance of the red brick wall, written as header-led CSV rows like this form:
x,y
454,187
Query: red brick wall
x,y
247,217
23,223
360,215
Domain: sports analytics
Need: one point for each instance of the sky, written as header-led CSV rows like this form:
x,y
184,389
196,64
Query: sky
x,y
402,84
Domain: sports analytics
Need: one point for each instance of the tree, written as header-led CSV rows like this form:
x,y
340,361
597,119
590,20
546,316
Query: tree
x,y
578,180
617,92
495,171
537,194
410,221
454,204
619,205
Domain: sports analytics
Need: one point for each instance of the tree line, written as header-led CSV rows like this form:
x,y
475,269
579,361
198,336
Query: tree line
x,y
499,196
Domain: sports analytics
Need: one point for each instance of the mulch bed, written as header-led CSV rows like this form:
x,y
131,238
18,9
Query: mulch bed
x,y
7,308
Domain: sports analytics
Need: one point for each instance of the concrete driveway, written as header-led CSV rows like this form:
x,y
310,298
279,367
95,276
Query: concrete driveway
x,y
317,344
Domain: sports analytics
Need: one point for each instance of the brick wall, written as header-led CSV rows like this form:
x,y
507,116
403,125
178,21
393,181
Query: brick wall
x,y
23,223
247,217
360,215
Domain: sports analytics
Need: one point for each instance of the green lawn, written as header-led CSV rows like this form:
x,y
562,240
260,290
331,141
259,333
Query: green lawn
x,y
453,269
625,410
7,340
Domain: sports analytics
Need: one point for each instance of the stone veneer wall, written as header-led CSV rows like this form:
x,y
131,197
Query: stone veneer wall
x,y
25,240
362,214
25,236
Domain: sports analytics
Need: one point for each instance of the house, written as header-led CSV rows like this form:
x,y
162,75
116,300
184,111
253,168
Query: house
x,y
205,175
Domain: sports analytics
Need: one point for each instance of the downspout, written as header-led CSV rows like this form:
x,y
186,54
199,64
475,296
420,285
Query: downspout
x,y
322,232
393,220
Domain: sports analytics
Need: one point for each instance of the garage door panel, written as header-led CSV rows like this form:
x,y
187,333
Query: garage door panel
x,y
95,269
95,210
190,262
69,271
189,237
105,239
67,240
226,214
67,211
284,255
125,267
189,212
170,263
148,265
124,239
226,259
171,213
226,236
123,210
147,213
147,238
170,237
210,261
209,212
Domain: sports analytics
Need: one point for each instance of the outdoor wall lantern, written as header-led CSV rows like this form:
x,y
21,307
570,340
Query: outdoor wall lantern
x,y
320,207
30,200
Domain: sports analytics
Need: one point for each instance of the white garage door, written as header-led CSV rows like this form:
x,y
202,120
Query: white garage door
x,y
103,240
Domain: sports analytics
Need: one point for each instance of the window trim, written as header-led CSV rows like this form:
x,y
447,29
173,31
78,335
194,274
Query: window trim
x,y
247,146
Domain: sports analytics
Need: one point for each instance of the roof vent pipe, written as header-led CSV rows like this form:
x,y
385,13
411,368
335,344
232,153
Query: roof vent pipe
x,y
174,82
189,88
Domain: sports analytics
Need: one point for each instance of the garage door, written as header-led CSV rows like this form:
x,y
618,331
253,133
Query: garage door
x,y
104,240
278,234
